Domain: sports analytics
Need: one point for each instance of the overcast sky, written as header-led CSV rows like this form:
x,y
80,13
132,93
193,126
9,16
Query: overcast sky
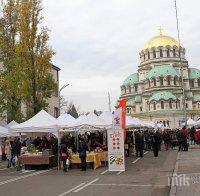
x,y
97,42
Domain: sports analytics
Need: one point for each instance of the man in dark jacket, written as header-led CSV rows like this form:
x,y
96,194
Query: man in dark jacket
x,y
15,150
139,143
82,153
192,135
156,140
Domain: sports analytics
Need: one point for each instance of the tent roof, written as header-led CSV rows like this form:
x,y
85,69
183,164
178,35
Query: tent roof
x,y
3,132
66,120
12,123
191,122
91,120
41,122
107,116
132,122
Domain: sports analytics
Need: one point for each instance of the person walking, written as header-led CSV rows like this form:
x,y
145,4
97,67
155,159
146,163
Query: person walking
x,y
139,143
82,153
8,152
156,140
166,139
16,151
192,135
64,155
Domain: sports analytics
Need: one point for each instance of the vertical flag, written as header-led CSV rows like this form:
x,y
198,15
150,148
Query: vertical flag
x,y
122,105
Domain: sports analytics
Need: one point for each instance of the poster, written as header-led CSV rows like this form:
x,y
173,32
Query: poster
x,y
116,158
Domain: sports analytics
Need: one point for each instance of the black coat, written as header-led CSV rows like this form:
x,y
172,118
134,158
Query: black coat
x,y
82,149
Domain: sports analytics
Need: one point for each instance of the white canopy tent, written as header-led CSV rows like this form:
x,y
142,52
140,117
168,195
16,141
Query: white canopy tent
x,y
92,120
12,123
107,117
41,122
13,133
191,122
132,122
197,123
66,120
4,132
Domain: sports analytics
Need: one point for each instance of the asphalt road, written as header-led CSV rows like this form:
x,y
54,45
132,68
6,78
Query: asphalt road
x,y
143,177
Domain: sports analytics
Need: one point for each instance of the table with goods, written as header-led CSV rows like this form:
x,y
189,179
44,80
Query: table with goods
x,y
34,159
96,158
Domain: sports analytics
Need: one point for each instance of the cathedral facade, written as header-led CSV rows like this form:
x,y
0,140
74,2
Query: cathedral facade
x,y
155,91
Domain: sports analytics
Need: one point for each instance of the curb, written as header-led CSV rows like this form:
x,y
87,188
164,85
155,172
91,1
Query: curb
x,y
173,189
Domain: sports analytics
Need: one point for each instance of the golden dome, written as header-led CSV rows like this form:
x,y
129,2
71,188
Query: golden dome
x,y
161,40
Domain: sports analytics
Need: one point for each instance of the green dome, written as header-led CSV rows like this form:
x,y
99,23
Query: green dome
x,y
196,98
132,79
163,70
194,73
165,95
131,102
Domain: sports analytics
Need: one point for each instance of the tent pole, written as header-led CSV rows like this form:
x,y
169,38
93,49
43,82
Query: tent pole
x,y
58,150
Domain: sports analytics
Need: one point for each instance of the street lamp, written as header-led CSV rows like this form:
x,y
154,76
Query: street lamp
x,y
63,87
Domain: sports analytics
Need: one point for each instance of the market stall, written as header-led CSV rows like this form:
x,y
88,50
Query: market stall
x,y
40,123
91,127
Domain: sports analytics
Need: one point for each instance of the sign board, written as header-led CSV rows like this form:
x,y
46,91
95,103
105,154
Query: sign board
x,y
116,158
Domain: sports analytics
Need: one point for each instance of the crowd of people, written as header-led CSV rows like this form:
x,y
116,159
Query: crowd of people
x,y
152,140
142,140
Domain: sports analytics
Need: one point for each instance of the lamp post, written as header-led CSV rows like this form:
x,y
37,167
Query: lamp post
x,y
63,87
181,64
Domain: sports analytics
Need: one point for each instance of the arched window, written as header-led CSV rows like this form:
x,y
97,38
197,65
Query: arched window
x,y
170,104
192,83
149,83
176,104
148,55
136,88
168,52
162,105
168,80
198,82
180,81
154,54
154,105
129,89
161,81
161,53
154,81
198,105
175,81
144,57
174,52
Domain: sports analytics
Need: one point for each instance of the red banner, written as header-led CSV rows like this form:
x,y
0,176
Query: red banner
x,y
122,104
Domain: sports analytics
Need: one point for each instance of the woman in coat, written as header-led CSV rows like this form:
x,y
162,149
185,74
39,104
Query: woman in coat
x,y
8,152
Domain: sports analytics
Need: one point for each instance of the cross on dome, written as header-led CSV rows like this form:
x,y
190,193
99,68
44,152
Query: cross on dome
x,y
161,30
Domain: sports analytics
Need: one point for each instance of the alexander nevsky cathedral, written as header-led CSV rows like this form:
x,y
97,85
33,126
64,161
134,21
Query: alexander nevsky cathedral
x,y
155,91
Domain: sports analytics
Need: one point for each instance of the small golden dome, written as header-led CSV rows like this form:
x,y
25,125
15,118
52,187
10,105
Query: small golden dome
x,y
161,40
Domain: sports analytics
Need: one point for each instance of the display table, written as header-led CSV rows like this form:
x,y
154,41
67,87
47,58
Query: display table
x,y
91,158
103,156
34,160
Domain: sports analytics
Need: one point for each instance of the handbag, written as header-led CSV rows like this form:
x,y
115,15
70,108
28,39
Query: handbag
x,y
64,155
